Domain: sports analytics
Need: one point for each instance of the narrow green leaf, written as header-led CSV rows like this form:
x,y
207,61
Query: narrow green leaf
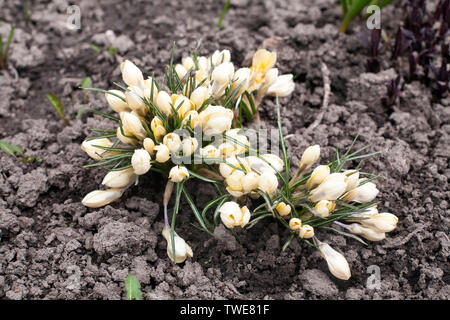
x,y
56,103
133,288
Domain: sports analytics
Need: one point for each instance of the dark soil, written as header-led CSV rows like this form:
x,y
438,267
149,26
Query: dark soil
x,y
52,247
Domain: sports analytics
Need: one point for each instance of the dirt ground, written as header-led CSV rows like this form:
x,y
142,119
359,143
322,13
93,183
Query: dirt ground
x,y
52,247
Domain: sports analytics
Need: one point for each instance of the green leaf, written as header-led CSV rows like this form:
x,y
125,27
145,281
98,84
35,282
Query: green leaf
x,y
10,149
112,51
95,48
87,82
56,103
133,288
224,12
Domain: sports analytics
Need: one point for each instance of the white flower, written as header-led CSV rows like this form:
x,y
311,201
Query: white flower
x,y
148,89
178,174
330,189
131,123
337,264
261,166
164,103
234,216
158,128
262,62
295,224
219,57
268,182
269,79
127,137
188,63
198,96
282,87
182,104
365,193
352,179
182,249
234,184
141,161
368,233
180,71
209,152
149,145
97,153
189,145
324,207
241,78
100,198
117,104
134,99
309,157
306,232
131,74
172,141
162,153
283,209
221,77
232,164
318,175
193,118
250,182
216,119
119,179
381,222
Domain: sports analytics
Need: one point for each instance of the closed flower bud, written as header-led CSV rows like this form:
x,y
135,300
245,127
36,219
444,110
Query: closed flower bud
x,y
134,99
210,152
216,119
193,118
323,208
250,182
306,232
234,184
189,145
182,249
164,103
131,123
97,153
149,145
100,198
119,179
283,209
282,87
219,57
330,189
148,89
380,222
295,224
131,74
241,78
309,157
182,104
180,71
226,170
158,129
365,232
178,174
268,182
269,79
234,216
337,264
198,96
318,175
261,166
223,73
141,161
172,141
275,161
127,137
352,179
365,193
162,153
188,63
117,104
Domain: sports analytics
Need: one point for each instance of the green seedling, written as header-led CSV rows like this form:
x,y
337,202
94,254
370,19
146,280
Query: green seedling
x,y
224,12
353,8
96,48
26,12
56,103
112,51
4,52
87,82
16,152
133,288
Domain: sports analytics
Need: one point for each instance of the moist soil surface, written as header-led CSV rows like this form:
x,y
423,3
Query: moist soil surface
x,y
52,247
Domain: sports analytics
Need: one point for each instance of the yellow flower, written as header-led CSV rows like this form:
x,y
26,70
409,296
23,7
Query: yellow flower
x,y
263,61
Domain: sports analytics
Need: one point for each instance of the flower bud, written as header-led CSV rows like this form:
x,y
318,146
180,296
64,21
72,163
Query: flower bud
x,y
182,104
306,232
241,78
162,153
172,141
283,209
216,119
149,145
337,264
164,103
234,216
188,63
158,129
269,79
180,71
226,170
141,161
117,104
261,166
276,162
268,182
100,198
219,57
119,179
234,184
250,182
380,222
365,193
352,179
127,137
178,174
263,60
182,249
318,175
223,73
295,224
324,207
131,74
134,99
131,123
97,153
309,157
282,87
330,189
193,118
209,152
365,232
198,96
189,145
148,89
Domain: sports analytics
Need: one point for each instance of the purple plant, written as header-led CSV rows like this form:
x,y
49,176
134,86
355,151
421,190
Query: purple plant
x,y
393,91
374,47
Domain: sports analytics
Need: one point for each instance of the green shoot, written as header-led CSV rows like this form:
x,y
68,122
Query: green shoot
x,y
224,12
26,12
353,8
4,52
112,51
87,82
16,151
95,48
56,103
133,288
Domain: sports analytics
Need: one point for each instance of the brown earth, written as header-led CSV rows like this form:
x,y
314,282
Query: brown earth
x,y
52,247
